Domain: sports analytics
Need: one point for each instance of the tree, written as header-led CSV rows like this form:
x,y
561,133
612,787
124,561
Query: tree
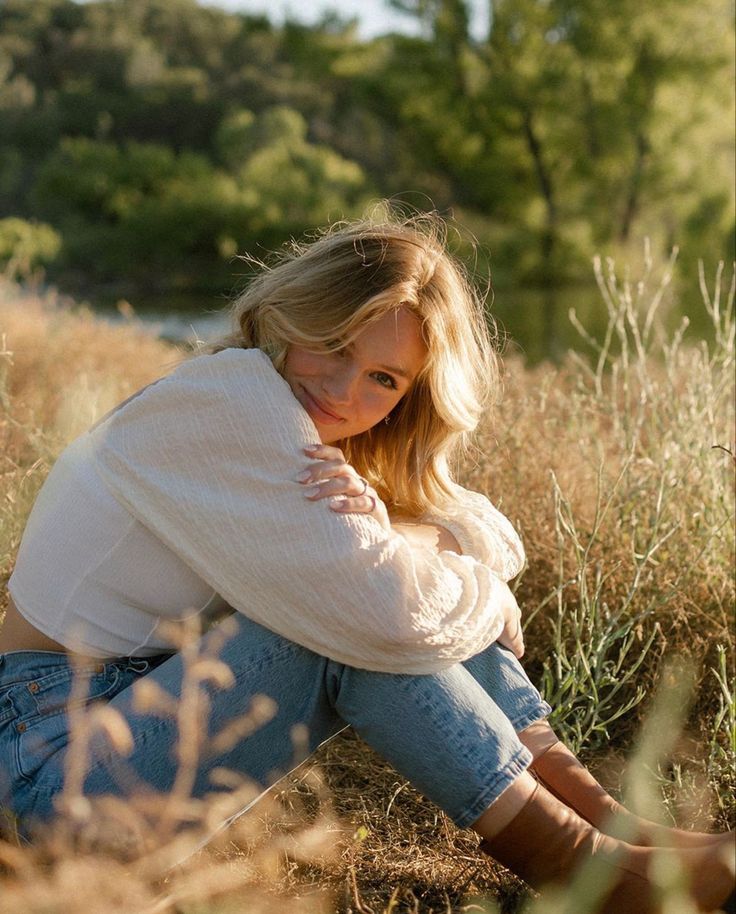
x,y
573,96
573,126
25,246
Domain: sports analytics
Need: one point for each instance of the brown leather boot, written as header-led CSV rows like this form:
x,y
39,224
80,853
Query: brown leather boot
x,y
547,842
565,776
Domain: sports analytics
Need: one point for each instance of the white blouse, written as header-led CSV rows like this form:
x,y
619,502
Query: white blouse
x,y
186,497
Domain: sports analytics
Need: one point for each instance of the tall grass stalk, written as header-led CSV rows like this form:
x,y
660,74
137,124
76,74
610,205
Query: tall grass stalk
x,y
655,742
616,466
640,508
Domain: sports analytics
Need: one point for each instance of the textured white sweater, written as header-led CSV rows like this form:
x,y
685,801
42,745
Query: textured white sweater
x,y
186,496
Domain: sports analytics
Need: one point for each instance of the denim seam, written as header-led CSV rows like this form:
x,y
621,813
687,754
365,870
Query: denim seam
x,y
8,714
40,718
45,791
142,735
15,748
518,763
51,682
539,713
59,665
290,647
34,717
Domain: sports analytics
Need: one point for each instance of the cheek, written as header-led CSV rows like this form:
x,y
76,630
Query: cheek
x,y
380,404
301,362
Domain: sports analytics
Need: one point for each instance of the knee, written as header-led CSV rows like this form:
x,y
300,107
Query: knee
x,y
370,694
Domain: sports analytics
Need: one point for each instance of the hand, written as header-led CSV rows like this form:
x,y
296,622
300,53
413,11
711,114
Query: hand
x,y
512,636
332,477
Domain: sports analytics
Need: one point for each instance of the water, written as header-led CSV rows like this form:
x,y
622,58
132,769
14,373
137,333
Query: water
x,y
177,318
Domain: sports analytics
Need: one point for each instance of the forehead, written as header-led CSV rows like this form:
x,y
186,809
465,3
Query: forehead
x,y
396,340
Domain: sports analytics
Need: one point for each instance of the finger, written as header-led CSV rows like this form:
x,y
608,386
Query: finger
x,y
504,640
360,504
516,649
324,452
326,469
347,485
514,643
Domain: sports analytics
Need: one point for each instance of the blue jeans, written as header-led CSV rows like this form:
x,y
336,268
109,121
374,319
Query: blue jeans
x,y
452,734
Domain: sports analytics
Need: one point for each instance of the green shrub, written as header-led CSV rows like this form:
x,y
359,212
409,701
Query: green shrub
x,y
25,246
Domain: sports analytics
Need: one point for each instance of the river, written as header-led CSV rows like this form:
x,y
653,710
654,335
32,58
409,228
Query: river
x,y
534,322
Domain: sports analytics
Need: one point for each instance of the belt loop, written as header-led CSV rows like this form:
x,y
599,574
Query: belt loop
x,y
22,701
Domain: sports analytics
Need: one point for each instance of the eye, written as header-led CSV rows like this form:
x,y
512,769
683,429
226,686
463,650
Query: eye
x,y
385,380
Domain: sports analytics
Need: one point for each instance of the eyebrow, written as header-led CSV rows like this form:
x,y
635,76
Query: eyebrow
x,y
399,371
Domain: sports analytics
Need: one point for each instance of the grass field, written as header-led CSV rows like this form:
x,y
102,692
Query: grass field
x,y
617,467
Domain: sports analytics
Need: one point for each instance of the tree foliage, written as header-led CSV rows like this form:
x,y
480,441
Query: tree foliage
x,y
25,246
158,137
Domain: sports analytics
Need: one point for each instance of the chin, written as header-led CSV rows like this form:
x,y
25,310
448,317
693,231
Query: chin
x,y
330,437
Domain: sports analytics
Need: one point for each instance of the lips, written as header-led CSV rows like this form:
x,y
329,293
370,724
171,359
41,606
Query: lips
x,y
318,411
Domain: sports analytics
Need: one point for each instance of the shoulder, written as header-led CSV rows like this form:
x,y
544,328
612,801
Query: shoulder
x,y
230,366
235,393
240,377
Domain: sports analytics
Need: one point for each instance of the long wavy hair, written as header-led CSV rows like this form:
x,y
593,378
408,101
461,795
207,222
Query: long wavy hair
x,y
320,294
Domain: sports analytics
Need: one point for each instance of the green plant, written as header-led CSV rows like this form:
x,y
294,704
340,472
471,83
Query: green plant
x,y
642,520
25,246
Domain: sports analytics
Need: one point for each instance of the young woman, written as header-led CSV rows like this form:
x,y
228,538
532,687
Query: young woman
x,y
300,474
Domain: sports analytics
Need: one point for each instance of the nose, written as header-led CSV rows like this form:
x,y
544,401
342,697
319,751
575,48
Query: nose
x,y
339,387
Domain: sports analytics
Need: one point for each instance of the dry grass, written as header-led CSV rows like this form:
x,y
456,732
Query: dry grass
x,y
60,370
619,477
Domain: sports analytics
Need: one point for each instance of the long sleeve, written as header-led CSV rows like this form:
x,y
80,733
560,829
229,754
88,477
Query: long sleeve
x,y
483,532
207,458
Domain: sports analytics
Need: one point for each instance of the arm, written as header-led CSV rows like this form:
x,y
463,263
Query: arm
x,y
484,532
426,536
332,479
208,459
438,539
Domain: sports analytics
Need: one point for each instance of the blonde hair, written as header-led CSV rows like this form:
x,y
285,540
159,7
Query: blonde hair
x,y
321,294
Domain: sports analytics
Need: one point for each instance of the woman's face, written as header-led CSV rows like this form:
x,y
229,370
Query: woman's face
x,y
349,391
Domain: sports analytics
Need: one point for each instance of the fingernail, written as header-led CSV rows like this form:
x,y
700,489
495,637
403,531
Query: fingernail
x,y
337,502
310,493
311,447
304,476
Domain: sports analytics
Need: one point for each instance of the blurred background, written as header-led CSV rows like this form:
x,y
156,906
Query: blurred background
x,y
146,143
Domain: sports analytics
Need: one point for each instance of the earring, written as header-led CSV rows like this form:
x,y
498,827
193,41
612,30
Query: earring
x,y
387,419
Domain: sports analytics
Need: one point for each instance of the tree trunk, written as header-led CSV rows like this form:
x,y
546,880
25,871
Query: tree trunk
x,y
549,236
635,185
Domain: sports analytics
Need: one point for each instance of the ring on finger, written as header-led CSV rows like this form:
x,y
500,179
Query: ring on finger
x,y
365,487
373,503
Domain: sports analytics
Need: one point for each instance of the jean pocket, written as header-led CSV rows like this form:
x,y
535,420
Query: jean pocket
x,y
63,689
37,745
42,726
